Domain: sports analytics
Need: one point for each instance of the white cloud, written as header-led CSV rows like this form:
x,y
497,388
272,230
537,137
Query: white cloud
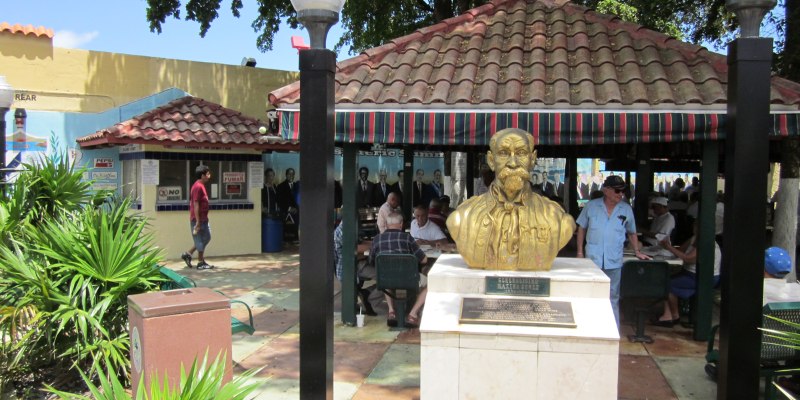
x,y
69,39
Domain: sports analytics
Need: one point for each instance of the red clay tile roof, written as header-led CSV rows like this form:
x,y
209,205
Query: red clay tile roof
x,y
535,54
26,30
189,121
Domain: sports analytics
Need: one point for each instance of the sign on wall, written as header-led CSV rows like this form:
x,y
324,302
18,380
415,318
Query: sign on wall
x,y
233,177
104,162
167,193
149,172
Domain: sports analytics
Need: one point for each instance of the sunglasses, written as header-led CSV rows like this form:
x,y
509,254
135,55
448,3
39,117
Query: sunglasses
x,y
617,191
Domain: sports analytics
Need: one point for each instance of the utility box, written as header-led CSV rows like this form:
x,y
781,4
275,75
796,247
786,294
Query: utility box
x,y
173,327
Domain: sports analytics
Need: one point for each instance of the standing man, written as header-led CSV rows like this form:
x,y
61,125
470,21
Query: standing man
x,y
609,221
398,186
548,188
558,186
365,188
419,188
269,195
381,190
435,189
288,199
198,217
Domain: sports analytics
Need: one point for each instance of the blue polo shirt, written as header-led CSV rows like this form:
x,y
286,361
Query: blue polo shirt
x,y
605,235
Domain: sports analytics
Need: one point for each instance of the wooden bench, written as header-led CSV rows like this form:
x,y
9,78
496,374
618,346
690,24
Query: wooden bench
x,y
178,281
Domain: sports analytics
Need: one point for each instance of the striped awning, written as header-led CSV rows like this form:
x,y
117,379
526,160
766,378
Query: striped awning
x,y
548,128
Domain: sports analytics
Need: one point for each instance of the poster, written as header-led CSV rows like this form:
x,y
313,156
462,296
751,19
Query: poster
x,y
149,172
256,171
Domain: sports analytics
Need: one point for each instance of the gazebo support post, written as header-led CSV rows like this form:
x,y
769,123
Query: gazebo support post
x,y
350,233
644,183
408,179
470,174
705,244
746,162
571,194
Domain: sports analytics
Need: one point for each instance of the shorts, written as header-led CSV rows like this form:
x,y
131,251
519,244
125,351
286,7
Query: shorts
x,y
203,235
684,286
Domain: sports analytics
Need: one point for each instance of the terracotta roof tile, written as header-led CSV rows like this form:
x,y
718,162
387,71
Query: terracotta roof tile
x,y
26,30
534,52
188,120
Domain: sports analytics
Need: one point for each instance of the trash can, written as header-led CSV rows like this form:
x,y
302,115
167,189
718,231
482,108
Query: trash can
x,y
174,327
271,235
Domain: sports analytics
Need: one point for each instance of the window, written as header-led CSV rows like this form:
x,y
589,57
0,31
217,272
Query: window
x,y
131,179
173,181
228,179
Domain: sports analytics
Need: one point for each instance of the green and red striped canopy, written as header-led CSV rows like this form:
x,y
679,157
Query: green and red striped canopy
x,y
548,128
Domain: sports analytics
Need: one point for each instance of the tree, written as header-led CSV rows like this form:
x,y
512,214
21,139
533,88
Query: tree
x,y
369,23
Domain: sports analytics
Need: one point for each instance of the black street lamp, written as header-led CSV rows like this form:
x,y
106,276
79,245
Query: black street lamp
x,y
6,98
317,69
746,163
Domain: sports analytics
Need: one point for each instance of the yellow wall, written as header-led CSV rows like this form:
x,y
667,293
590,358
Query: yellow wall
x,y
73,80
233,232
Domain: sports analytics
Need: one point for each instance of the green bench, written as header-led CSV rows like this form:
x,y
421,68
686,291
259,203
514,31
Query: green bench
x,y
178,281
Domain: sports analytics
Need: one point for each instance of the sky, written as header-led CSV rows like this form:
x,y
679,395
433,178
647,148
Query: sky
x,y
120,26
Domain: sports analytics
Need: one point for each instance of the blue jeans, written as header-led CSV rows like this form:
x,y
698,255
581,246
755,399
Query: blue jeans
x,y
616,276
203,235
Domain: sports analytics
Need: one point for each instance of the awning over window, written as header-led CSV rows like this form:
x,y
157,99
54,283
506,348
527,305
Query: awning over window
x,y
555,128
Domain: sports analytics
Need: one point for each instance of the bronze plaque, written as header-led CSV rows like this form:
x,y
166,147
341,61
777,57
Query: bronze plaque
x,y
479,310
518,286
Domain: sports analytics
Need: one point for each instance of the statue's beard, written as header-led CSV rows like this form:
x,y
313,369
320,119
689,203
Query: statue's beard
x,y
513,180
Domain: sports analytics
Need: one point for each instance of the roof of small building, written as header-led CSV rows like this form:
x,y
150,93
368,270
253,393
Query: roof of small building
x,y
533,54
26,30
192,122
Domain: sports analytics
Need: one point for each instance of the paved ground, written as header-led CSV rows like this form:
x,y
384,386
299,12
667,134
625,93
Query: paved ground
x,y
375,363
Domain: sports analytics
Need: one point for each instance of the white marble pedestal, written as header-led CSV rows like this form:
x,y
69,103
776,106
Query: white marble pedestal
x,y
478,361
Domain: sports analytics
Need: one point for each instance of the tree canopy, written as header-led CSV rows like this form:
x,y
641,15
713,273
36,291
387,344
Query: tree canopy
x,y
370,23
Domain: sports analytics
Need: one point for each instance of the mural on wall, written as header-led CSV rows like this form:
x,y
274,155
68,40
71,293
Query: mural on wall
x,y
22,145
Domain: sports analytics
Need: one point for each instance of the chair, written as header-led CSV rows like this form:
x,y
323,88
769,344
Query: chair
x,y
398,277
175,280
773,355
644,283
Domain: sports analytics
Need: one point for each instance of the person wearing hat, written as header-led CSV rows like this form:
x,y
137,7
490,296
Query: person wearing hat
x,y
605,223
777,264
663,222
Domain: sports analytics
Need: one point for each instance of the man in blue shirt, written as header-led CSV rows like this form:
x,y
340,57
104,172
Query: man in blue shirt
x,y
605,223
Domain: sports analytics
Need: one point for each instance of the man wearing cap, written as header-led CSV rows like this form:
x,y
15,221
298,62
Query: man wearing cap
x,y
604,223
778,263
663,222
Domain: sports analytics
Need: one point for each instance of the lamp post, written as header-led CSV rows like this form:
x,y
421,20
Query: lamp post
x,y
6,98
317,69
746,163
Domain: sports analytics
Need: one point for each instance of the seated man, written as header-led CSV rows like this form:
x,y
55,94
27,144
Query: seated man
x,y
391,205
660,229
778,263
683,284
394,241
425,231
337,259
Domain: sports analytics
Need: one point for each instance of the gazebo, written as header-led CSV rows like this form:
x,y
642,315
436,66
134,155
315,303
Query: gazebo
x,y
583,83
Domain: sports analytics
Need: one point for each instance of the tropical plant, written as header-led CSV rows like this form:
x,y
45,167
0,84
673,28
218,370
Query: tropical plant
x,y
789,338
203,382
69,259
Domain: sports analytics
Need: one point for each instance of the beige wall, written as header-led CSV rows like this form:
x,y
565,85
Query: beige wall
x,y
73,80
233,232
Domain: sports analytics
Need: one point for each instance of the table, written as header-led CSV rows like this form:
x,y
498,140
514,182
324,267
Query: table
x,y
430,251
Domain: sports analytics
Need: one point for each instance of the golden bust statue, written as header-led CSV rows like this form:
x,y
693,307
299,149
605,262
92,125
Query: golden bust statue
x,y
510,227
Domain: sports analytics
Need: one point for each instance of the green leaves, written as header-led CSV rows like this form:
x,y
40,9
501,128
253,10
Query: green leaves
x,y
71,257
202,382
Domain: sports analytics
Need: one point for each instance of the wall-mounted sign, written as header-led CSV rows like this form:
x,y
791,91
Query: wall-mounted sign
x,y
150,172
233,177
104,175
130,148
24,97
104,163
166,193
232,188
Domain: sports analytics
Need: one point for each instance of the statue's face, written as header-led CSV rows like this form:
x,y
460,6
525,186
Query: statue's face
x,y
512,159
